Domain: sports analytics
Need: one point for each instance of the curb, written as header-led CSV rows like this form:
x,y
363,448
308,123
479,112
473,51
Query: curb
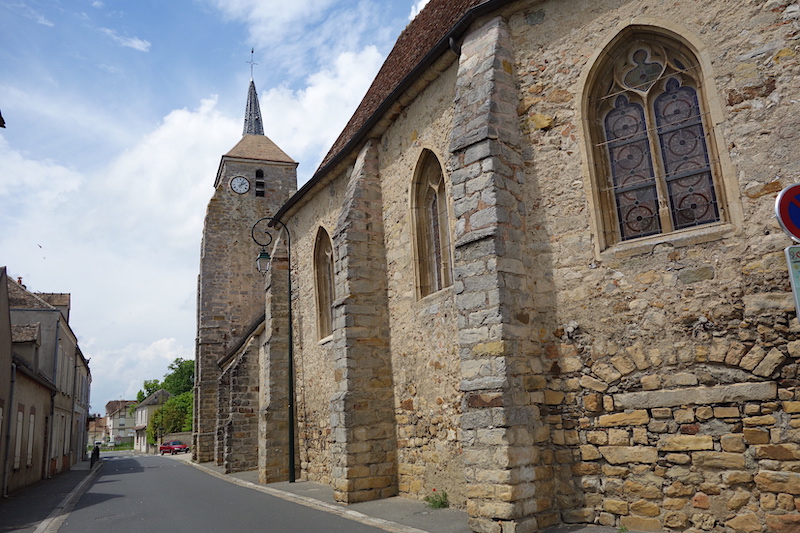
x,y
386,525
52,523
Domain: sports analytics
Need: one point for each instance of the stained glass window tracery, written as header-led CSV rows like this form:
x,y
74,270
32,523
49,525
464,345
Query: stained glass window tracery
x,y
654,140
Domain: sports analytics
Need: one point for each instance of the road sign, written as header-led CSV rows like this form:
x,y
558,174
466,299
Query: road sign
x,y
793,260
787,209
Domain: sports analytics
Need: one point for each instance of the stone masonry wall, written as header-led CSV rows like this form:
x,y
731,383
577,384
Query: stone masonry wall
x,y
273,373
228,283
424,356
240,439
364,452
669,382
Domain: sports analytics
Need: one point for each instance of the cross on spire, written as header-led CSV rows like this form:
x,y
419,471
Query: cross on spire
x,y
252,63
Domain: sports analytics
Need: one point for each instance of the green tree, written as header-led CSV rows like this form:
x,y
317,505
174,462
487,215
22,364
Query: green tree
x,y
180,379
150,386
174,416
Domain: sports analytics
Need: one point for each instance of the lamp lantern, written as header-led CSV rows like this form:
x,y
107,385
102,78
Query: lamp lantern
x,y
262,261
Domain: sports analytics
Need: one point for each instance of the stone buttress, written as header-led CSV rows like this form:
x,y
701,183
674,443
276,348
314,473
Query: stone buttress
x,y
498,420
363,455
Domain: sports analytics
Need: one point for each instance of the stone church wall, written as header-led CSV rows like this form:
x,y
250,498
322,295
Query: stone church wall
x,y
427,370
668,385
563,378
314,356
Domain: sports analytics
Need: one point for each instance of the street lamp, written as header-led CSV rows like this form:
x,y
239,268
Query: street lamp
x,y
263,237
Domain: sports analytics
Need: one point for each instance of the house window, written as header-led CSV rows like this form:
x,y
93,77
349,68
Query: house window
x,y
31,425
18,440
654,167
431,227
323,273
259,183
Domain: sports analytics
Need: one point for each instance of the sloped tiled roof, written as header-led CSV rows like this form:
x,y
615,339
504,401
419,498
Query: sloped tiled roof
x,y
157,398
115,405
259,147
21,298
57,299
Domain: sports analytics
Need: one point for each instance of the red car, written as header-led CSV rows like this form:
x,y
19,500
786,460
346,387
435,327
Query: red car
x,y
172,447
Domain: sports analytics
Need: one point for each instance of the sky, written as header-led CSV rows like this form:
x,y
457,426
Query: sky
x,y
117,113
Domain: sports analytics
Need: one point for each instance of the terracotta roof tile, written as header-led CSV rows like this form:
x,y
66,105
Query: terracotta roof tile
x,y
259,147
21,298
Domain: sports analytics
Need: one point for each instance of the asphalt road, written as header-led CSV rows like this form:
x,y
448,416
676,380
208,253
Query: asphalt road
x,y
135,493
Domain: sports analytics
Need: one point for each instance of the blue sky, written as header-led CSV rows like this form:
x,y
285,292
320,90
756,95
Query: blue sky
x,y
117,112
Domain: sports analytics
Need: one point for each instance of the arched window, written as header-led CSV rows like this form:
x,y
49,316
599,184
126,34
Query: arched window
x,y
432,230
259,183
323,275
652,142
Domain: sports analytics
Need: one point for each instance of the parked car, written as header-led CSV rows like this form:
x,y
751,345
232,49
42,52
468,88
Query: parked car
x,y
172,447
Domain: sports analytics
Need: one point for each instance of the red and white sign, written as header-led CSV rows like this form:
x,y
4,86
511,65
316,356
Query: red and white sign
x,y
787,209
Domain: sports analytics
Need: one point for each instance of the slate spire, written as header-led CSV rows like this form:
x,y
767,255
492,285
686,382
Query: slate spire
x,y
252,113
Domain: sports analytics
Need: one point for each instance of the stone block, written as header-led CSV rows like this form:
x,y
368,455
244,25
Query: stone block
x,y
723,460
785,523
777,482
755,436
778,452
726,412
733,442
634,418
594,384
617,455
746,523
617,507
638,523
738,392
792,407
768,365
683,443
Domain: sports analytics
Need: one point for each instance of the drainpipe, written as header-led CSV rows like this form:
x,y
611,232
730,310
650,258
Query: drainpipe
x,y
6,463
53,399
73,433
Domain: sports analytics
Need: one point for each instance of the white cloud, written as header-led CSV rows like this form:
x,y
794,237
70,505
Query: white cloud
x,y
416,8
309,120
129,42
124,240
273,20
120,373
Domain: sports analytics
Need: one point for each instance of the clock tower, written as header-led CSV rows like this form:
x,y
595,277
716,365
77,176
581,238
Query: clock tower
x,y
253,180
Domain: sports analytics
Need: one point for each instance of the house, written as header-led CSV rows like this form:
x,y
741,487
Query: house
x,y
98,429
44,386
143,414
539,269
121,421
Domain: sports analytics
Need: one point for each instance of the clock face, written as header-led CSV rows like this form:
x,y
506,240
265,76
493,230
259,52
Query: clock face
x,y
240,184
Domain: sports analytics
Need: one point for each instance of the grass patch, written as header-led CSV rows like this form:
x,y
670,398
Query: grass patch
x,y
437,500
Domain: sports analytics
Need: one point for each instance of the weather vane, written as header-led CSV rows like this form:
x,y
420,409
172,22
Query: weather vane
x,y
252,63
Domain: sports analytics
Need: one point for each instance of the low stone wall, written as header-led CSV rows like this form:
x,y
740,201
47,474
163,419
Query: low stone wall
x,y
185,436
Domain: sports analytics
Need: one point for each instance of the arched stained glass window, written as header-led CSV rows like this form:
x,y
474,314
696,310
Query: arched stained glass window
x,y
653,166
323,274
432,230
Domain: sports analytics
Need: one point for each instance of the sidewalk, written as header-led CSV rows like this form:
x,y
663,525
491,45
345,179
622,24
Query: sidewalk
x,y
396,515
42,507
36,509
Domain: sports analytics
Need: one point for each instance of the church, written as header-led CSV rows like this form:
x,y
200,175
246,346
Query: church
x,y
539,269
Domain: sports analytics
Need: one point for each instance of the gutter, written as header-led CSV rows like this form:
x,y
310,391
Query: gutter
x,y
448,42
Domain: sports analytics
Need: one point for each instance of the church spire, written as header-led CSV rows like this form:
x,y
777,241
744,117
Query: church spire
x,y
252,113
